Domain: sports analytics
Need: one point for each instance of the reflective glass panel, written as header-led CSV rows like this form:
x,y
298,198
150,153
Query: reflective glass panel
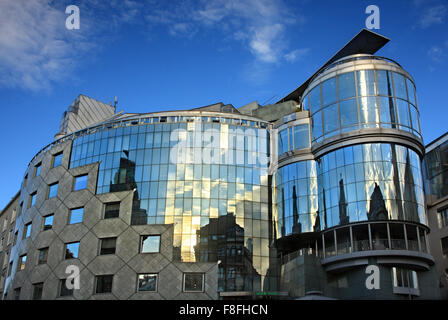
x,y
346,85
329,94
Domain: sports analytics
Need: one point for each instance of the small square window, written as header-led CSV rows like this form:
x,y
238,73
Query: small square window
x,y
27,231
53,190
112,210
57,160
15,237
147,282
43,256
22,263
63,290
444,242
149,244
37,169
47,222
80,182
19,212
25,180
108,246
38,288
76,215
104,284
32,201
17,293
193,282
72,250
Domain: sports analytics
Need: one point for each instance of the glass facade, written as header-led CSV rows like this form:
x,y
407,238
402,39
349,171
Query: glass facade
x,y
436,171
294,138
296,198
362,99
377,181
208,178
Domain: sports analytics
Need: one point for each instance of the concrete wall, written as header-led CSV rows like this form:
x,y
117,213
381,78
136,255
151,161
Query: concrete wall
x,y
125,264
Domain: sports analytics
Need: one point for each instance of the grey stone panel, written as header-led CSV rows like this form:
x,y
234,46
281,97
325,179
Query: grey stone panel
x,y
51,288
73,232
88,248
105,264
125,283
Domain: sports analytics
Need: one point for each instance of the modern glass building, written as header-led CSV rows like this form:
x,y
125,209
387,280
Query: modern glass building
x,y
222,203
435,175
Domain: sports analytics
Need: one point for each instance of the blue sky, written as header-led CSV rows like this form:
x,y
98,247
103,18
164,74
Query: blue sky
x,y
162,55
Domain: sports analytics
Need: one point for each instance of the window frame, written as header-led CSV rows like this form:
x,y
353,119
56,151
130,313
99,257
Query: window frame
x,y
149,235
70,216
54,158
39,261
43,222
75,182
193,273
96,283
65,250
152,274
49,190
101,246
111,203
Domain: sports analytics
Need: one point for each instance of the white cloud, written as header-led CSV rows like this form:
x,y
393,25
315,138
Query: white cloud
x,y
259,24
433,15
296,54
436,54
35,47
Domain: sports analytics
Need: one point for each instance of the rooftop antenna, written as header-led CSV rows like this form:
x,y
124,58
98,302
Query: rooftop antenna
x,y
116,101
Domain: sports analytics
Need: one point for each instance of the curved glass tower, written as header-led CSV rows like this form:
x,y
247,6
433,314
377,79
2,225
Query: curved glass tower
x,y
349,187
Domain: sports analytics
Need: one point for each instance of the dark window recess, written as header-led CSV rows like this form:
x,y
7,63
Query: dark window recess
x,y
38,288
64,291
193,282
445,246
112,210
108,246
43,256
104,284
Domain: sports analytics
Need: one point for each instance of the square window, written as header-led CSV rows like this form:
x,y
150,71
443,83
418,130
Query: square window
x,y
108,246
444,242
72,250
104,284
112,210
63,290
147,282
17,293
47,222
27,231
10,268
22,263
149,244
193,282
37,169
80,182
32,201
57,160
15,237
37,291
76,215
53,190
43,256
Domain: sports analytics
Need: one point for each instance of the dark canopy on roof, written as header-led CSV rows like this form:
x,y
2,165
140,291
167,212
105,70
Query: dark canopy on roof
x,y
365,41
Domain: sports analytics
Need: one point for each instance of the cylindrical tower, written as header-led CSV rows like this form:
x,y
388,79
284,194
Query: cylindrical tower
x,y
361,176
